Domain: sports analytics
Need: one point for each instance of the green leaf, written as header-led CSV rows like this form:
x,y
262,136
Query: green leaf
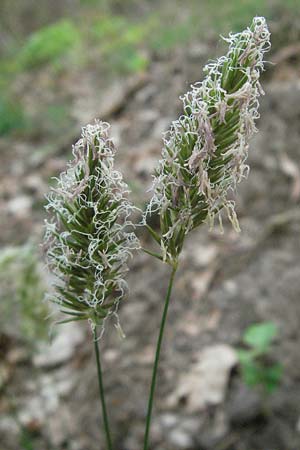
x,y
255,374
153,233
260,336
156,255
48,43
244,356
272,377
12,116
252,373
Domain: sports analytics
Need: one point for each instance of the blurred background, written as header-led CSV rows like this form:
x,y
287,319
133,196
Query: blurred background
x,y
230,373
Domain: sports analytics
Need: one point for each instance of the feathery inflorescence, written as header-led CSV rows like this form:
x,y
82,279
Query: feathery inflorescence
x,y
90,236
204,151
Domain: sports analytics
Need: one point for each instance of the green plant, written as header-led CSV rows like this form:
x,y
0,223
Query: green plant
x,y
88,241
12,117
55,118
108,28
22,292
48,44
26,441
256,370
203,160
119,43
166,38
204,154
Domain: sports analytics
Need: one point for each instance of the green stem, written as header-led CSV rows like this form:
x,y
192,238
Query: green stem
x,y
156,361
102,397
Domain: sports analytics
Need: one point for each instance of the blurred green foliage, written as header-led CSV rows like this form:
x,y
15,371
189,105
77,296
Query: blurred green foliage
x,y
48,44
115,37
261,336
53,119
123,40
22,310
172,35
26,440
255,368
12,116
108,28
119,42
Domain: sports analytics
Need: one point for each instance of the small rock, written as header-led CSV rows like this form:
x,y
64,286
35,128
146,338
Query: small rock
x,y
20,206
168,420
111,355
205,382
8,425
230,286
34,412
62,348
192,424
198,50
203,255
180,439
43,405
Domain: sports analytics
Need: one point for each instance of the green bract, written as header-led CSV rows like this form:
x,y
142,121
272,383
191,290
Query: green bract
x,y
90,237
204,151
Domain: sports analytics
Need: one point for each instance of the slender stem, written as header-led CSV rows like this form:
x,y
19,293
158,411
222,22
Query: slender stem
x,y
156,361
102,397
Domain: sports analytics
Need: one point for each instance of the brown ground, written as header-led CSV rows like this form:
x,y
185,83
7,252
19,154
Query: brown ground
x,y
225,283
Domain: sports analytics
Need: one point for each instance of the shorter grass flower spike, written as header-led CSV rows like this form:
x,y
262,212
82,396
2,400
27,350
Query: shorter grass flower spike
x,y
90,237
204,151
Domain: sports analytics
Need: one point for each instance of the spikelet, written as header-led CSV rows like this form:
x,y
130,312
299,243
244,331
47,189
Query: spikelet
x,y
204,152
90,237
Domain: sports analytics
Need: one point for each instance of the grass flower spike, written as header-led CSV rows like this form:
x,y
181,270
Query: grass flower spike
x,y
90,238
204,151
89,241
